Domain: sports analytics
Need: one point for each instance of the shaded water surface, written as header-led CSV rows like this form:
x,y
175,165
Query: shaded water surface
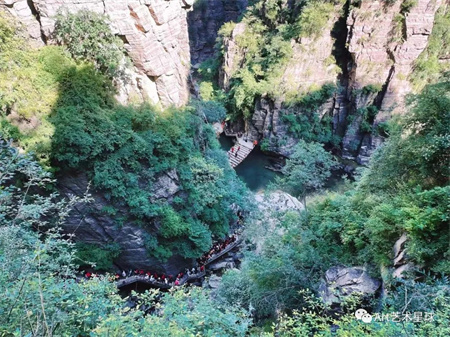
x,y
252,170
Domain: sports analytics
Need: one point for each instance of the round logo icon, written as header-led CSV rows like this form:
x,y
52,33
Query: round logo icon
x,y
359,313
366,318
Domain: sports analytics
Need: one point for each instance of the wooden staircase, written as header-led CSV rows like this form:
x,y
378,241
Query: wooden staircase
x,y
236,157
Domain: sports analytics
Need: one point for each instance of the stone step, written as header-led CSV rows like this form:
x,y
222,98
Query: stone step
x,y
243,152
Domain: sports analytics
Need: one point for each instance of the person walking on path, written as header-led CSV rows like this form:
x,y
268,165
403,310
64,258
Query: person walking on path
x,y
255,142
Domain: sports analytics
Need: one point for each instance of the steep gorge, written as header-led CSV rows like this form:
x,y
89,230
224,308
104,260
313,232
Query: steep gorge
x,y
367,48
369,64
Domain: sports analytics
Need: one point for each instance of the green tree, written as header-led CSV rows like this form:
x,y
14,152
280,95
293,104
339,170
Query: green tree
x,y
307,169
88,37
40,295
417,152
178,313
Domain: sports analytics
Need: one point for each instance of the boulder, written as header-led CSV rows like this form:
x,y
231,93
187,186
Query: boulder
x,y
166,185
278,201
226,264
400,261
340,282
213,282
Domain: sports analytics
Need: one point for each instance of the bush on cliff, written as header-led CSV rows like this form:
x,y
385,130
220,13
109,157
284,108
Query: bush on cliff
x,y
88,37
28,88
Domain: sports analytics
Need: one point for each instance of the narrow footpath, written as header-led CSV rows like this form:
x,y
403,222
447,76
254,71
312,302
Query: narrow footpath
x,y
186,277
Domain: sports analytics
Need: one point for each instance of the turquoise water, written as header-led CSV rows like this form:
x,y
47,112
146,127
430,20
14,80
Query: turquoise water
x,y
252,170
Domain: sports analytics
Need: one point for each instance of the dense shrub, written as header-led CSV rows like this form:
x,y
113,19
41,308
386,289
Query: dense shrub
x,y
125,149
88,37
212,110
306,169
402,192
29,80
38,280
206,91
302,118
100,257
313,18
428,66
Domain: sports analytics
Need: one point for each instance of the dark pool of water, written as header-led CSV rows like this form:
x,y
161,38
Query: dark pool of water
x,y
252,170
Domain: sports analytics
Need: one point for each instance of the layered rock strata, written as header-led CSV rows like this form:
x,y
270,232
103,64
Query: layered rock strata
x,y
154,33
381,44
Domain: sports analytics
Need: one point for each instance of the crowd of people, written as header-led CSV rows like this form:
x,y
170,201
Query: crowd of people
x,y
172,280
216,249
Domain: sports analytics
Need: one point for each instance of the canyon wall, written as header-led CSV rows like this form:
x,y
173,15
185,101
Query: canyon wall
x,y
384,42
368,48
154,32
205,21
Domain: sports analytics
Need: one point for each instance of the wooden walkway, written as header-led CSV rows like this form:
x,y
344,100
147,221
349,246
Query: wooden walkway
x,y
235,156
186,278
161,285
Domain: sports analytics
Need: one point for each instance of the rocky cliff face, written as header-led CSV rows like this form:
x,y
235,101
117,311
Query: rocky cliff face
x,y
371,66
205,21
155,35
384,41
92,223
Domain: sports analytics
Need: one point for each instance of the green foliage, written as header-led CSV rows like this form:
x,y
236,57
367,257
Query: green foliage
x,y
270,280
407,5
26,85
264,49
389,2
42,297
227,29
172,225
8,29
315,323
371,89
36,283
88,37
417,151
206,91
209,69
368,117
264,145
124,150
100,257
313,18
428,66
303,120
29,83
190,313
307,168
212,110
403,192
